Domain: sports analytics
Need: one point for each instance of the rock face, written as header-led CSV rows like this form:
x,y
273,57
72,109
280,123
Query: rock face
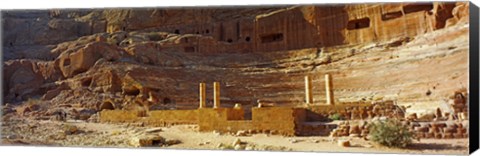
x,y
412,53
84,58
25,78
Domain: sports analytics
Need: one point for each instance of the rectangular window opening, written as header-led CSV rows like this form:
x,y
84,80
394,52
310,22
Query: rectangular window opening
x,y
417,7
391,15
189,49
277,37
358,24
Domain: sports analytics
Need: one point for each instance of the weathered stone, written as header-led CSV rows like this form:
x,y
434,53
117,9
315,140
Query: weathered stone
x,y
80,61
154,130
344,143
147,140
70,129
241,133
354,135
237,106
170,142
236,142
239,147
202,95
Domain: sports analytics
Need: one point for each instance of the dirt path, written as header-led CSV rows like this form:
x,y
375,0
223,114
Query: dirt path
x,y
34,132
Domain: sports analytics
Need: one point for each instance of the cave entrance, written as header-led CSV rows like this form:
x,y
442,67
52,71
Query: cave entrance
x,y
358,23
87,82
66,62
167,101
271,38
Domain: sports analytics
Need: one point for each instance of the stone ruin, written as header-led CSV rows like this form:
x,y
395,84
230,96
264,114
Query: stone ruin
x,y
304,121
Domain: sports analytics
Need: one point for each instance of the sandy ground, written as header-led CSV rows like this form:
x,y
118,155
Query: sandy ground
x,y
51,133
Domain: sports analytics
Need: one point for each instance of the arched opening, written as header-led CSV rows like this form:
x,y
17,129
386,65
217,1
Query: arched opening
x,y
207,31
166,101
131,91
229,40
177,31
87,82
247,38
66,62
107,105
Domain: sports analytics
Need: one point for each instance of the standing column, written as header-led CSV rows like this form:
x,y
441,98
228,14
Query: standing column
x,y
328,89
216,95
202,95
308,90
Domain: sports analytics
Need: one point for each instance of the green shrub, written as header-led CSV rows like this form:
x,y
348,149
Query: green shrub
x,y
335,116
391,133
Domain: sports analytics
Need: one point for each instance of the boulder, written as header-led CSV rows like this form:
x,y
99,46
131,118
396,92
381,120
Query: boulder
x,y
236,142
154,130
241,133
344,143
239,147
81,60
147,140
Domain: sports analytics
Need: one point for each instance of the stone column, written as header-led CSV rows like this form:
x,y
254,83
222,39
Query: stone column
x,y
328,89
216,95
308,90
202,95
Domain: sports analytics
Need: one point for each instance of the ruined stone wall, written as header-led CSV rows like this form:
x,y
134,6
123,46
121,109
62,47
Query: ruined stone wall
x,y
172,117
118,116
355,111
280,120
274,120
321,112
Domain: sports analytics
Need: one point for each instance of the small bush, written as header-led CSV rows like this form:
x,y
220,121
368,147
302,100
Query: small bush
x,y
391,133
335,116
